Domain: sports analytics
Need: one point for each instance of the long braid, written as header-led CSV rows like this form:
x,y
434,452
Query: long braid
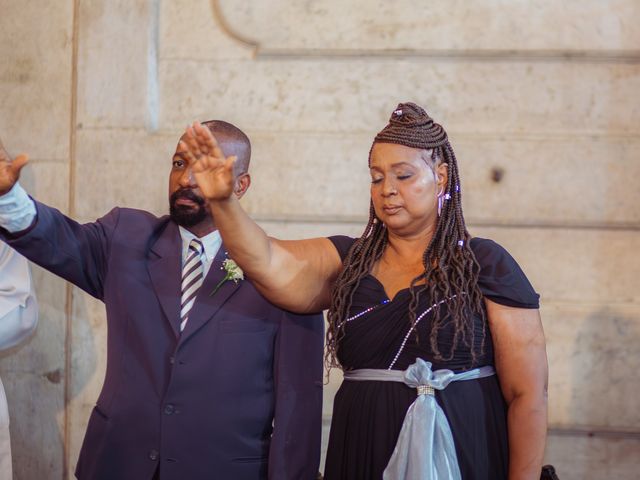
x,y
361,257
450,267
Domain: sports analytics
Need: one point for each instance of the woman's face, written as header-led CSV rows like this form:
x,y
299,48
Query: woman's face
x,y
404,187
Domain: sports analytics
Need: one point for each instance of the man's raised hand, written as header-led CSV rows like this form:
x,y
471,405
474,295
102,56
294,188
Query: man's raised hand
x,y
212,170
10,170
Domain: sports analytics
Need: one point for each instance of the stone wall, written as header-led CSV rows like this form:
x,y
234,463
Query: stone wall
x,y
540,99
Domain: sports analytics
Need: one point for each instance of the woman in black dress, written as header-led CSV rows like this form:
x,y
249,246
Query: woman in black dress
x,y
421,317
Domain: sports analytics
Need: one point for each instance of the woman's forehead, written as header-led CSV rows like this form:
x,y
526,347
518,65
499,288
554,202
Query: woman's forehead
x,y
388,154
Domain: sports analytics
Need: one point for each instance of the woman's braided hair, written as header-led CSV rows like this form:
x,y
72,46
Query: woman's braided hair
x,y
450,267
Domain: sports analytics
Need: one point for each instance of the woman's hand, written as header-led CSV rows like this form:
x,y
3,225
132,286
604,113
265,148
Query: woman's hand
x,y
295,275
212,170
10,170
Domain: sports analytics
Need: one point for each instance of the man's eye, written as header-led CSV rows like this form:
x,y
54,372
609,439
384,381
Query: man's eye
x,y
178,163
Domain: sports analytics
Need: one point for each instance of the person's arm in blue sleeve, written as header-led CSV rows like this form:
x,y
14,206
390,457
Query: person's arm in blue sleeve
x,y
78,253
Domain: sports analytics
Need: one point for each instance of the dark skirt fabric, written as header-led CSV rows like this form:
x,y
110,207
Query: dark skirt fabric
x,y
368,415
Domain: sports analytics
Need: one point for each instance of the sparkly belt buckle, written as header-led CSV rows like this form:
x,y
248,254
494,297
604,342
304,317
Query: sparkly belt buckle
x,y
424,390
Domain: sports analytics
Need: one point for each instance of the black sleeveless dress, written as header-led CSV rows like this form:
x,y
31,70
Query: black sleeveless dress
x,y
368,415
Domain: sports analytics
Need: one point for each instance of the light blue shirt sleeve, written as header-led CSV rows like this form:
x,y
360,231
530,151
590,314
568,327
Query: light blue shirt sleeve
x,y
17,210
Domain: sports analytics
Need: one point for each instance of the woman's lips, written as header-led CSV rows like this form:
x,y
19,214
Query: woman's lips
x,y
391,209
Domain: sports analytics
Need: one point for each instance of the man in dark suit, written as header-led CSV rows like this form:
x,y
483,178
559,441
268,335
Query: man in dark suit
x,y
205,379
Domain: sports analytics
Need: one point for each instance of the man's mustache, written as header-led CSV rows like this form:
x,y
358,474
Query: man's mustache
x,y
187,194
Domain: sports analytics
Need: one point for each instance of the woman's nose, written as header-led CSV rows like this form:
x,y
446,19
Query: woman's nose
x,y
388,187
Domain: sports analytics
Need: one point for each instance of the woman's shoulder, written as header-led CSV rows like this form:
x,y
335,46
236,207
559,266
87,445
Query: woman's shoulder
x,y
342,243
501,278
489,252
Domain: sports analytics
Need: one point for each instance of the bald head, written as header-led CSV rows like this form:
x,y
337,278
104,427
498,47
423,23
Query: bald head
x,y
233,141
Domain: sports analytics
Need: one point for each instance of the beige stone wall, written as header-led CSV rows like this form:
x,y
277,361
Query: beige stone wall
x,y
543,92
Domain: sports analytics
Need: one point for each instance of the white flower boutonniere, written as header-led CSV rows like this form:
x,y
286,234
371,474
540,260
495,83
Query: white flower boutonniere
x,y
234,272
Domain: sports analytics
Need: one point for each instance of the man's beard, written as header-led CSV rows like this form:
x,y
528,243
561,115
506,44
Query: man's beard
x,y
183,215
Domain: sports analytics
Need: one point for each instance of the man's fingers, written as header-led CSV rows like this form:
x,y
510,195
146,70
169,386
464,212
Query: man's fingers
x,y
201,148
230,162
202,135
207,140
207,137
192,142
204,145
199,143
218,153
186,152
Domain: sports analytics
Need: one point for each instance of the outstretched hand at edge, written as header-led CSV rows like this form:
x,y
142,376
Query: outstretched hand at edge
x,y
212,170
10,169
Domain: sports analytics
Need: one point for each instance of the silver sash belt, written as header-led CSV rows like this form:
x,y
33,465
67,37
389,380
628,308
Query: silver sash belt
x,y
425,448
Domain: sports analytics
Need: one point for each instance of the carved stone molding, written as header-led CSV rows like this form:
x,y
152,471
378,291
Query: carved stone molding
x,y
441,31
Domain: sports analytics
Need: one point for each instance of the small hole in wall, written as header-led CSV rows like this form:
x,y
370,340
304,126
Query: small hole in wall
x,y
497,173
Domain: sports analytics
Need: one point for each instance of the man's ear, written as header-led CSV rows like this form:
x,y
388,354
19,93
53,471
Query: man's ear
x,y
243,182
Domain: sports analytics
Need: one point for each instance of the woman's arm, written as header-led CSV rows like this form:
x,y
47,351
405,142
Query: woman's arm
x,y
295,275
521,364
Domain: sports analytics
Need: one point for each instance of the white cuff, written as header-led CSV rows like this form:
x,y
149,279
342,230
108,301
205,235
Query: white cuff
x,y
17,210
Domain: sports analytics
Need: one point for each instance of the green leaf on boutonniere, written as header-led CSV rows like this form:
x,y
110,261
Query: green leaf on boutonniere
x,y
233,272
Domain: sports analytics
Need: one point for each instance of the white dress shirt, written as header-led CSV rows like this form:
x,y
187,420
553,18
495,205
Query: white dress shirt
x,y
18,319
210,242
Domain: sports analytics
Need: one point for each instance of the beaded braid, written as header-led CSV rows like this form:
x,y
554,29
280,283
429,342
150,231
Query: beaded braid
x,y
450,267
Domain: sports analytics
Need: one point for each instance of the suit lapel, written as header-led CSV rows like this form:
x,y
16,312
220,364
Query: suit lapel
x,y
208,304
165,269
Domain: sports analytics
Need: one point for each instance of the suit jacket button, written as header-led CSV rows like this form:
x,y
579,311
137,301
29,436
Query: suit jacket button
x,y
153,455
172,360
169,409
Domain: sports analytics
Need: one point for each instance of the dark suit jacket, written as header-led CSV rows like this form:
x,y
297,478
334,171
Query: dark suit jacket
x,y
238,394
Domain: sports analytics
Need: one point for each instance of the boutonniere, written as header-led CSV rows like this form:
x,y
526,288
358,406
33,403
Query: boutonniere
x,y
233,272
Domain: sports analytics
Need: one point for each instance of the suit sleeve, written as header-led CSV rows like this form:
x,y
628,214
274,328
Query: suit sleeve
x,y
298,371
78,253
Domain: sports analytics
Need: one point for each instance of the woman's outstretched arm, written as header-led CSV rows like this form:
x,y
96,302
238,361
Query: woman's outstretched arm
x,y
295,275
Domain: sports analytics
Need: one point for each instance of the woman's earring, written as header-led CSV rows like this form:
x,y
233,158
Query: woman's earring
x,y
440,201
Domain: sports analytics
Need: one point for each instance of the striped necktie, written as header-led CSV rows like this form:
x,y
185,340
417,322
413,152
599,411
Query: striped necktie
x,y
192,278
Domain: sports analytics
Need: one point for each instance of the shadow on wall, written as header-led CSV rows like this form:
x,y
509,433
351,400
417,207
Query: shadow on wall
x,y
606,370
605,385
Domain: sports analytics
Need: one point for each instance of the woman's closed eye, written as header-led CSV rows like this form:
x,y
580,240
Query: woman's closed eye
x,y
404,176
